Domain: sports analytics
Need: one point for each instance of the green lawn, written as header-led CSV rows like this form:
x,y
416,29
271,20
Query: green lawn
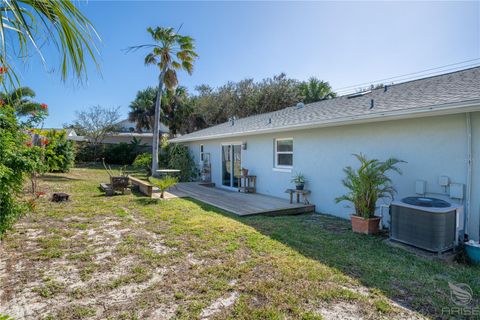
x,y
129,257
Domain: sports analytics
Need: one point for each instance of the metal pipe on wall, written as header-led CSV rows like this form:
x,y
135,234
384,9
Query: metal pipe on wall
x,y
468,191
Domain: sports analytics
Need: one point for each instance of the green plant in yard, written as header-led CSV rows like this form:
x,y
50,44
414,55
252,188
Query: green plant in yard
x,y
87,152
119,153
144,162
59,152
15,163
177,156
368,183
164,183
124,153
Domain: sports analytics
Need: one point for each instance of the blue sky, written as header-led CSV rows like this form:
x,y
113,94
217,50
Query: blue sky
x,y
345,43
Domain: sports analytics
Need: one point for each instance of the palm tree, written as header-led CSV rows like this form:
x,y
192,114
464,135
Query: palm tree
x,y
171,52
24,23
20,100
369,183
143,109
316,90
176,109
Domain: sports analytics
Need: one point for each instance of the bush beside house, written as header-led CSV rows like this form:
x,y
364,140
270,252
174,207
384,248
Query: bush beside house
x,y
177,156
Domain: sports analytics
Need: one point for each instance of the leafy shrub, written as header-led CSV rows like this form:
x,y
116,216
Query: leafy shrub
x,y
14,164
59,152
120,153
177,156
87,152
144,162
164,183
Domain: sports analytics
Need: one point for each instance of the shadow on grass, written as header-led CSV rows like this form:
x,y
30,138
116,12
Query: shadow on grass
x,y
417,283
57,178
146,201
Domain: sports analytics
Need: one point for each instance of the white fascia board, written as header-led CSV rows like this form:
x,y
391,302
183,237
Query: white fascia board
x,y
430,111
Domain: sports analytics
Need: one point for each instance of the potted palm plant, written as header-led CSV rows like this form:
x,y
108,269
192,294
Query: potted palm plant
x,y
299,180
366,186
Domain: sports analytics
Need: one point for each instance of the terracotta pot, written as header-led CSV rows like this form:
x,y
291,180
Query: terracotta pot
x,y
244,172
366,226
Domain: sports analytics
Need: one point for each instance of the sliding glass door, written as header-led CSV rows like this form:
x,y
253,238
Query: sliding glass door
x,y
231,164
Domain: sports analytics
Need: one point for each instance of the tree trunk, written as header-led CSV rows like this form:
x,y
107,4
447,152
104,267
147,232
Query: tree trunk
x,y
156,125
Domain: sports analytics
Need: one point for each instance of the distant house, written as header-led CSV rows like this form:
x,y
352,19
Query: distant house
x,y
432,123
127,126
126,132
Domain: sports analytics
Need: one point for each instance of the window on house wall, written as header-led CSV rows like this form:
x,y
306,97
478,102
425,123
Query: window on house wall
x,y
284,153
202,156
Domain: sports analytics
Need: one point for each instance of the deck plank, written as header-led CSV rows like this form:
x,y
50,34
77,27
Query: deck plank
x,y
242,204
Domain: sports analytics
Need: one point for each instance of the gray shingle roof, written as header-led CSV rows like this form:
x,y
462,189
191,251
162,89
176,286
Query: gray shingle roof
x,y
407,97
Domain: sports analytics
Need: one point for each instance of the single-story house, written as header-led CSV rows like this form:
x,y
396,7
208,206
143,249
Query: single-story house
x,y
432,123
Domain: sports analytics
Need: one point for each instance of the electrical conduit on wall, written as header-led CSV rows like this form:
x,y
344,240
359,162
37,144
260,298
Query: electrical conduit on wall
x,y
468,191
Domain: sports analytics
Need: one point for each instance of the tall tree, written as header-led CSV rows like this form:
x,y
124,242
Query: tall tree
x,y
176,109
96,122
170,52
142,109
316,90
21,100
26,24
245,98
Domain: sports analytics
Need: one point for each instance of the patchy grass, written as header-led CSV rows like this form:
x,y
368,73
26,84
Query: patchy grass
x,y
128,257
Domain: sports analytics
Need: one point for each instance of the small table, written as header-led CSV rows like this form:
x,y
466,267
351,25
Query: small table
x,y
247,184
168,171
304,193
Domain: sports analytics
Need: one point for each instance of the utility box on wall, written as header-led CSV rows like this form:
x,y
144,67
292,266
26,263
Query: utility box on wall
x,y
456,190
443,181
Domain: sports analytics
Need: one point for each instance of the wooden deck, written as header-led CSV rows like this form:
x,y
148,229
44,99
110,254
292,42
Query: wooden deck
x,y
242,204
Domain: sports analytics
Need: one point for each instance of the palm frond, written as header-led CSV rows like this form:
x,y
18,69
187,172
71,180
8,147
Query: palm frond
x,y
61,22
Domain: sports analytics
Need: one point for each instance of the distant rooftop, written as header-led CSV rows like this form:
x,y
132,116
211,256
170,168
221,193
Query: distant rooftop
x,y
130,126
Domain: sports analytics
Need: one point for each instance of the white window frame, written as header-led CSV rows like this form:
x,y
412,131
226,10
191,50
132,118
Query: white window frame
x,y
276,152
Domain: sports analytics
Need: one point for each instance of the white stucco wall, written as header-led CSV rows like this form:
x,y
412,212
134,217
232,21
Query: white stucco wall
x,y
432,146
